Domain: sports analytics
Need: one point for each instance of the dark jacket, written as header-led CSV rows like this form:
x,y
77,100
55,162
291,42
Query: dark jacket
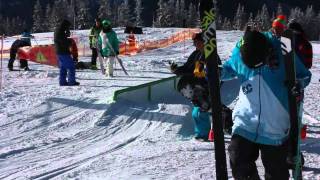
x,y
188,67
61,41
304,50
18,44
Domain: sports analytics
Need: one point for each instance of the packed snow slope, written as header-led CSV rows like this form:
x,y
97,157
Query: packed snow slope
x,y
53,132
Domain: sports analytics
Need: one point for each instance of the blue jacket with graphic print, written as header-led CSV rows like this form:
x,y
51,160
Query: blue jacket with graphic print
x,y
261,114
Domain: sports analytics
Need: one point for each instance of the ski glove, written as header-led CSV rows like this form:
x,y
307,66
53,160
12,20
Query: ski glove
x,y
173,67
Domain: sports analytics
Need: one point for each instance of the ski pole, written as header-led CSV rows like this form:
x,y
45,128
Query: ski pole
x,y
117,58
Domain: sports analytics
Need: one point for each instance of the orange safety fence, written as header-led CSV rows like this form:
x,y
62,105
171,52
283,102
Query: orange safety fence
x,y
45,54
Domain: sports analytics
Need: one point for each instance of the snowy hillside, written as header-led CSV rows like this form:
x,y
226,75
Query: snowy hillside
x,y
48,131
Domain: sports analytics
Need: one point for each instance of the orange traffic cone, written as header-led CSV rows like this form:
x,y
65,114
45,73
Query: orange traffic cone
x,y
211,135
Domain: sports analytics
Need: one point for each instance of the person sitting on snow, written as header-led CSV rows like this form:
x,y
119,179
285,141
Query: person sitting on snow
x,y
66,63
22,42
108,45
261,115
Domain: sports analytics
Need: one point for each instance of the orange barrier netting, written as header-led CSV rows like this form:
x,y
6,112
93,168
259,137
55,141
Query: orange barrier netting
x,y
45,54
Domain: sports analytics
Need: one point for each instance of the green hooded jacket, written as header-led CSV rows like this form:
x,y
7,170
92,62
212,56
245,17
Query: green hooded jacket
x,y
112,38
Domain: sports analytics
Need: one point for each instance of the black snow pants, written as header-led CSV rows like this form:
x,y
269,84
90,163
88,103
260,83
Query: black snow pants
x,y
23,62
94,56
243,154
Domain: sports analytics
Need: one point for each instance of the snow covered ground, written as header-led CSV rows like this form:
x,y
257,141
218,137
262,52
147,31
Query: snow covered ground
x,y
48,131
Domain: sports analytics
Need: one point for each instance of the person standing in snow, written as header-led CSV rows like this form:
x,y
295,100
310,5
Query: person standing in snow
x,y
200,117
66,63
93,38
261,115
303,46
279,25
22,42
303,49
73,48
108,45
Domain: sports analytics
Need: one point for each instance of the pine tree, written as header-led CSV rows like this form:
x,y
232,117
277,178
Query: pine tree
x,y
59,12
83,15
1,26
160,14
226,24
192,16
37,17
47,17
318,28
310,24
239,18
171,13
279,10
9,28
138,11
165,14
124,14
265,18
105,11
250,19
180,12
296,14
183,13
72,8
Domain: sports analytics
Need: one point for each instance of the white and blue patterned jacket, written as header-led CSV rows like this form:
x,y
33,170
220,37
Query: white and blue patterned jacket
x,y
261,114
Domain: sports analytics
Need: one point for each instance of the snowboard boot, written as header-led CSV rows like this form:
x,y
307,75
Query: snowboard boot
x,y
94,67
74,84
10,65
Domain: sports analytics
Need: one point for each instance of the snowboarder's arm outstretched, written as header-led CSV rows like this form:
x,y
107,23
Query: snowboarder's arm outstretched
x,y
228,70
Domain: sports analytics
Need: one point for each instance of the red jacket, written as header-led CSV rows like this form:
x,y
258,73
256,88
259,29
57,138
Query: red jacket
x,y
74,49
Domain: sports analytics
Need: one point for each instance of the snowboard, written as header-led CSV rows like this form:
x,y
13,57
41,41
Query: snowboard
x,y
196,90
287,44
208,27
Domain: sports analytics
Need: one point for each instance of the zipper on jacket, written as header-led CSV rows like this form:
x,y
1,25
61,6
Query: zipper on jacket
x,y
259,107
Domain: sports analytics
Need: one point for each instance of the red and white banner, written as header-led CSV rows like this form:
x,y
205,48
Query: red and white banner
x,y
43,54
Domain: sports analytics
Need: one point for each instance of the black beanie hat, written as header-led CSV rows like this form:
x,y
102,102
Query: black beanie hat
x,y
254,49
296,27
197,37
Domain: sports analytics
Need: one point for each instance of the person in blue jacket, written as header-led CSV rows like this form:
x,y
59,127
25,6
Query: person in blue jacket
x,y
261,117
66,63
